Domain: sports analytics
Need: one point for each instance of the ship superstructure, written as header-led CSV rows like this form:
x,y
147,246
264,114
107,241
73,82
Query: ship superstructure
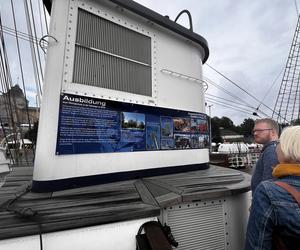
x,y
123,139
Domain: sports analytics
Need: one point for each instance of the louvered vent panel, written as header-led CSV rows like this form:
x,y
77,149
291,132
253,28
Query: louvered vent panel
x,y
111,56
201,227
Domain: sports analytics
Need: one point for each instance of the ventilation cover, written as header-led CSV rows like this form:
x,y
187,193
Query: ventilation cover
x,y
197,225
108,55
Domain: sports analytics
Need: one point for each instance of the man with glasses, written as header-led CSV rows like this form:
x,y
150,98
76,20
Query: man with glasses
x,y
265,132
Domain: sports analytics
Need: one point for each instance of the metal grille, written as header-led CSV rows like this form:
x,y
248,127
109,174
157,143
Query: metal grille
x,y
111,56
198,227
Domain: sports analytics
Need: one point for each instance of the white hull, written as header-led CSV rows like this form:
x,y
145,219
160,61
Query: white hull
x,y
105,237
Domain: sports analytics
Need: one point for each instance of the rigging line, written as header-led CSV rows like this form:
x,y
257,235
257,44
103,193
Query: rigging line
x,y
293,76
37,41
20,62
232,82
8,108
230,106
223,89
40,17
41,22
226,102
45,17
3,71
295,100
211,95
4,61
32,47
241,111
22,76
10,111
21,37
272,85
227,92
18,31
234,96
21,34
240,88
33,54
4,134
296,6
8,79
295,94
282,91
210,99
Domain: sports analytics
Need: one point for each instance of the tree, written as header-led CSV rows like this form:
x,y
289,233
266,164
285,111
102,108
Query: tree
x,y
247,126
226,123
215,130
295,122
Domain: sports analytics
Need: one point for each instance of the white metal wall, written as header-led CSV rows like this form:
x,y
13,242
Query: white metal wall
x,y
176,84
214,224
113,236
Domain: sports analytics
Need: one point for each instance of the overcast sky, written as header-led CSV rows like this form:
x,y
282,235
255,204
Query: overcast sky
x,y
24,46
249,42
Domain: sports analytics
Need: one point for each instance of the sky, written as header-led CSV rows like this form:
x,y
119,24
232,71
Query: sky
x,y
25,74
249,42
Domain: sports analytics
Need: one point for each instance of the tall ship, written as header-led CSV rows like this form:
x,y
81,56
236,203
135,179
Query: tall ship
x,y
122,153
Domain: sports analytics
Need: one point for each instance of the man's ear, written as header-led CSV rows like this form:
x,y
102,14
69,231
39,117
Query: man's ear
x,y
273,132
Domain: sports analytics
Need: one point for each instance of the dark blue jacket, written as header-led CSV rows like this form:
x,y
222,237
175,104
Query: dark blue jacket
x,y
264,166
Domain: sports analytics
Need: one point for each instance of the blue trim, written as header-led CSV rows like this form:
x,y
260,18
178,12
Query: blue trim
x,y
62,184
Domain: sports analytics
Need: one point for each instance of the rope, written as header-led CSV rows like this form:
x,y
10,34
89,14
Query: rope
x,y
20,62
38,52
25,212
234,96
245,91
6,84
34,55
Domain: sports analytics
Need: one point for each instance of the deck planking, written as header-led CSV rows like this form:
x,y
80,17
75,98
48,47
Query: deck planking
x,y
107,203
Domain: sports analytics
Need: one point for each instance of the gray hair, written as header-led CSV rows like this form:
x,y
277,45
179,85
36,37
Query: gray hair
x,y
290,143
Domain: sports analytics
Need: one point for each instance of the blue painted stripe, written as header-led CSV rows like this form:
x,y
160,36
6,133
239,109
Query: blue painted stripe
x,y
68,183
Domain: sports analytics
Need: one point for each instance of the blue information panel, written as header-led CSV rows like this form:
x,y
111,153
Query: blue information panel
x,y
90,125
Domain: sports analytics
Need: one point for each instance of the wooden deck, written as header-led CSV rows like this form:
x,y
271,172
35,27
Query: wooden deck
x,y
25,213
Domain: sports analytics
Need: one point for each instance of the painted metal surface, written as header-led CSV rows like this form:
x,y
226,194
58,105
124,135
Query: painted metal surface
x,y
169,51
209,223
121,236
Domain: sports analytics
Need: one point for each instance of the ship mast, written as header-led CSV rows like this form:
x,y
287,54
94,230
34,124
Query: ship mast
x,y
287,106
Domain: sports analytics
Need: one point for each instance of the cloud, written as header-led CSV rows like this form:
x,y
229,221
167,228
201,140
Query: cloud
x,y
23,76
249,42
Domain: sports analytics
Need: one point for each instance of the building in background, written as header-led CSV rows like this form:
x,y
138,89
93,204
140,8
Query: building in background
x,y
15,112
231,136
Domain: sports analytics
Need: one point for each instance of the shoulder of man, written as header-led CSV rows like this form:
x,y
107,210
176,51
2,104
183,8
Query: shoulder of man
x,y
270,160
269,147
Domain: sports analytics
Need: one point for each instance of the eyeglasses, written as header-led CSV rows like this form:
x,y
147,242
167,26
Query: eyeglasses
x,y
260,130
